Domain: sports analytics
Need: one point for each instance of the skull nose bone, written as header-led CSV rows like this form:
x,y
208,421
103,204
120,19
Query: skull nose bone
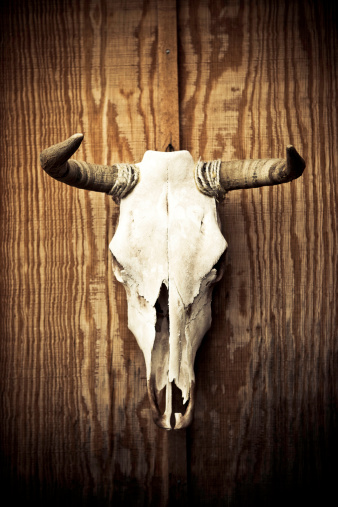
x,y
170,418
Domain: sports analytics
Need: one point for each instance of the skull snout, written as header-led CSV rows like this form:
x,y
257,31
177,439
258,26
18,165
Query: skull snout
x,y
166,399
172,414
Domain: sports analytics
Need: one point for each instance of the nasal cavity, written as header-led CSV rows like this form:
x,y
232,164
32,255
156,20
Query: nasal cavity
x,y
162,307
178,407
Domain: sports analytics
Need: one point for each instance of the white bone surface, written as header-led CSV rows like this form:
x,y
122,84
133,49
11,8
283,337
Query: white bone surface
x,y
168,233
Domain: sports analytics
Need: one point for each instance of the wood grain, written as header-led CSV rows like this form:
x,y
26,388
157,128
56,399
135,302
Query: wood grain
x,y
76,427
76,420
168,119
254,77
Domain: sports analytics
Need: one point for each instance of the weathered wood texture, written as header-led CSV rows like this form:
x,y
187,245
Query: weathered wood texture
x,y
168,115
75,416
253,77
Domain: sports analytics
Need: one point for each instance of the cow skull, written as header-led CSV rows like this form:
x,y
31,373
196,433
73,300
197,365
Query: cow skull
x,y
168,250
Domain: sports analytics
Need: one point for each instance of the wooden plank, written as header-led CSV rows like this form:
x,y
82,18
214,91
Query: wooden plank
x,y
168,120
254,77
76,424
169,140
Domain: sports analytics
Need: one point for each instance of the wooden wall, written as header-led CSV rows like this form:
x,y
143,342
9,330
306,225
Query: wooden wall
x,y
76,427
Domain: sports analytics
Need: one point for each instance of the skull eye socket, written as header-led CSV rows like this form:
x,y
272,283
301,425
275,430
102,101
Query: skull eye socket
x,y
219,267
117,269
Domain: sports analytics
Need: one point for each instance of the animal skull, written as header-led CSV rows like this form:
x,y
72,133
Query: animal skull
x,y
164,250
168,250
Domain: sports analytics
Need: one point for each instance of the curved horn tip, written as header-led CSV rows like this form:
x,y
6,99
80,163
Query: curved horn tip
x,y
295,162
56,155
77,137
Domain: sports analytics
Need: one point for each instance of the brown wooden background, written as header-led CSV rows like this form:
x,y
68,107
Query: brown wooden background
x,y
76,427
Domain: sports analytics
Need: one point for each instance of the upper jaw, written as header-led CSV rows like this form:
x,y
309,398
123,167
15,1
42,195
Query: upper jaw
x,y
166,420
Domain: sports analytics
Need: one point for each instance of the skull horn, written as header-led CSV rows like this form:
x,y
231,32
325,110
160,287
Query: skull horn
x,y
215,178
116,180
